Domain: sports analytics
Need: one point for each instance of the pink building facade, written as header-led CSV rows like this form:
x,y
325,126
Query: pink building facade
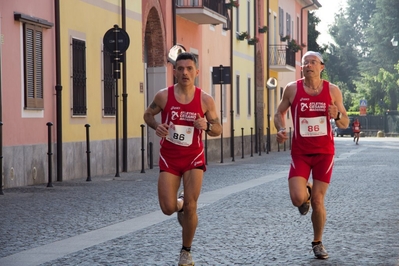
x,y
27,89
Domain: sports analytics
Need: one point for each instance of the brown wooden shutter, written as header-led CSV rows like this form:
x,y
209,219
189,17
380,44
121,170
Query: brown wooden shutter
x,y
33,49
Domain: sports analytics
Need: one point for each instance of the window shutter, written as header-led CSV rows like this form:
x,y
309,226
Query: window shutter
x,y
79,77
281,22
109,88
39,65
33,48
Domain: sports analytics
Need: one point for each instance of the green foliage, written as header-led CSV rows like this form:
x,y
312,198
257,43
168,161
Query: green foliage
x,y
294,46
362,60
383,26
313,34
350,113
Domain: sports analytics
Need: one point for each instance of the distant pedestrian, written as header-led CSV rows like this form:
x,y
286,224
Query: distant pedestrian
x,y
356,130
186,112
313,102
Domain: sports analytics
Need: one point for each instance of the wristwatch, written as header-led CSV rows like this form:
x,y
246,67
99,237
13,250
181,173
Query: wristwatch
x,y
338,116
208,127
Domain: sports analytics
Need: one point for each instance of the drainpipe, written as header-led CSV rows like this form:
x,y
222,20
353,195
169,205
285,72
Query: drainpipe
x,y
303,8
1,118
174,21
124,95
174,33
58,89
268,74
256,89
232,36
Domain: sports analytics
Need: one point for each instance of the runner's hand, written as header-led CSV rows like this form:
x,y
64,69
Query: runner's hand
x,y
200,122
281,136
162,130
333,110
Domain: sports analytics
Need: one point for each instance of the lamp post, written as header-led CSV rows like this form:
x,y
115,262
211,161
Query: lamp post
x,y
271,84
394,42
116,41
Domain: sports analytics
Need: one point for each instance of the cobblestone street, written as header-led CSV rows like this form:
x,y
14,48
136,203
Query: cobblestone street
x,y
245,216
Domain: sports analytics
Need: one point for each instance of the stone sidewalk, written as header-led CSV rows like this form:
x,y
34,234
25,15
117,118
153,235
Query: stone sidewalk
x,y
245,216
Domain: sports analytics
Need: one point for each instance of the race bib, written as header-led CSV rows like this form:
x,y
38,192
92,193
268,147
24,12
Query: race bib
x,y
357,128
180,135
313,126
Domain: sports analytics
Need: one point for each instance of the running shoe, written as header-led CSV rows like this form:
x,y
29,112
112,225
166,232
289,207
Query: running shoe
x,y
305,207
180,214
185,258
319,251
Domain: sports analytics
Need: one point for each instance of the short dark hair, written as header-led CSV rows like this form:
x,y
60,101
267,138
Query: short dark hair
x,y
185,56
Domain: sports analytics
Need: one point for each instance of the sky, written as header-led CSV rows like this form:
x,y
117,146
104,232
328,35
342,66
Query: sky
x,y
326,14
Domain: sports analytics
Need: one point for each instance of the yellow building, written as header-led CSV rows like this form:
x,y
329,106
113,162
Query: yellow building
x,y
92,96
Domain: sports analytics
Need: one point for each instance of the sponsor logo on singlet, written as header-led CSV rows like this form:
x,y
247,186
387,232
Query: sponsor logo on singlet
x,y
304,107
183,116
174,115
317,106
313,107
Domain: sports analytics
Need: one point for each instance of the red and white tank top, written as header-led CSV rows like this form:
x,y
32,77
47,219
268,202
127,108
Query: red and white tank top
x,y
180,118
312,128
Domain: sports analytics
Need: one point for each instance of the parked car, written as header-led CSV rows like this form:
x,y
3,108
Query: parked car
x,y
341,131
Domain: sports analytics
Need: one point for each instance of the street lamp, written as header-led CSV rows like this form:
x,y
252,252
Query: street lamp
x,y
271,84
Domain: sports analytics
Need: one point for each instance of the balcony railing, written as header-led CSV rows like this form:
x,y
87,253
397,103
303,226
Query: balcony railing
x,y
203,11
281,58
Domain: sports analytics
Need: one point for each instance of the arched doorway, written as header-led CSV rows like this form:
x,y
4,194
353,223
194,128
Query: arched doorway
x,y
155,69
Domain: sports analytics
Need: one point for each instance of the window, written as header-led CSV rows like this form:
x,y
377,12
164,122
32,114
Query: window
x,y
33,58
238,94
196,80
249,96
79,77
237,19
298,30
33,62
213,93
281,21
274,29
288,25
108,85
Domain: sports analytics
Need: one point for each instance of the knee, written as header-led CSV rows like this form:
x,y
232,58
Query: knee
x,y
168,209
190,207
317,203
297,201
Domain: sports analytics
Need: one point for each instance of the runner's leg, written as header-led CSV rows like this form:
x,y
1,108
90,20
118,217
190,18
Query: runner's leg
x,y
168,184
319,214
192,182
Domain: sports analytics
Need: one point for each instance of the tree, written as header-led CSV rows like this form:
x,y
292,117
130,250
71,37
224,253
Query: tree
x,y
342,55
313,34
383,26
359,14
362,56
